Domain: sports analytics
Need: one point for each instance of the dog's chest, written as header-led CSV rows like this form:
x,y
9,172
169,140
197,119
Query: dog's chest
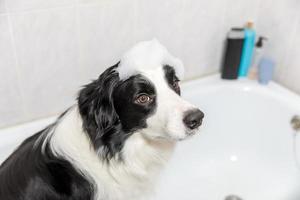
x,y
129,183
135,178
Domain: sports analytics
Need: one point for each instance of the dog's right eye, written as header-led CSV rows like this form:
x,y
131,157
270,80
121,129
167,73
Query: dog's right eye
x,y
143,99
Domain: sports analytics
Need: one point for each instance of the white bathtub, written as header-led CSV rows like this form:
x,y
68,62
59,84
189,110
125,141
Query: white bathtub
x,y
246,147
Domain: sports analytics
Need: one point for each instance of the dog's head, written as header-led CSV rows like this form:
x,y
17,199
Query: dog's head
x,y
140,94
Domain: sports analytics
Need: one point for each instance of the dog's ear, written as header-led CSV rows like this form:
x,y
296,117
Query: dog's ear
x,y
100,120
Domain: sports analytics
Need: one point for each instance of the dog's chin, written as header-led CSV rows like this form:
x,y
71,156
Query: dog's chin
x,y
178,138
188,134
164,138
169,136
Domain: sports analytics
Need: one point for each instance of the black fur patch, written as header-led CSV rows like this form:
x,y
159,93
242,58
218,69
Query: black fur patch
x,y
108,111
100,120
131,115
171,77
30,175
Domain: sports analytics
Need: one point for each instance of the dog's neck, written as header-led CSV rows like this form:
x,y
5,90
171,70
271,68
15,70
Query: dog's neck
x,y
142,159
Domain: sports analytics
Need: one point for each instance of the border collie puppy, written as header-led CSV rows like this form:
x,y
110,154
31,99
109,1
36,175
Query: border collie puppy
x,y
113,142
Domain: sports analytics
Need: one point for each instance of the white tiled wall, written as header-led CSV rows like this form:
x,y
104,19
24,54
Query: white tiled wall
x,y
49,48
282,26
11,102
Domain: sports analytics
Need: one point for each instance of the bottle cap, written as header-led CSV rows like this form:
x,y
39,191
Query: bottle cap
x,y
249,24
260,41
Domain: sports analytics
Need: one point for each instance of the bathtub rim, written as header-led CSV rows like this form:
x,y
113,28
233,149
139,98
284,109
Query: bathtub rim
x,y
273,89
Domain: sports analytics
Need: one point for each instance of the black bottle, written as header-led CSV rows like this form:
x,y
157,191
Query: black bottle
x,y
233,52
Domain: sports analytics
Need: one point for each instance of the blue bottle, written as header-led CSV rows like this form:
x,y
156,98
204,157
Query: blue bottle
x,y
247,52
265,70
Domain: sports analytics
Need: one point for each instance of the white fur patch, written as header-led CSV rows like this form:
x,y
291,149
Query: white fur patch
x,y
148,55
131,179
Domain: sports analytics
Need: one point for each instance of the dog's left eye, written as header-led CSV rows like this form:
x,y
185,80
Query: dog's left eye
x,y
143,99
176,86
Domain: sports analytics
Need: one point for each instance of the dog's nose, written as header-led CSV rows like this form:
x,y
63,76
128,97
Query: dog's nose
x,y
193,118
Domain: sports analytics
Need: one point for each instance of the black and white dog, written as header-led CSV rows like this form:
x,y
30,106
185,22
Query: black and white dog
x,y
113,142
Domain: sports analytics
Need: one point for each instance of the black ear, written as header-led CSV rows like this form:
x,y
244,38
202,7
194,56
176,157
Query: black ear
x,y
100,120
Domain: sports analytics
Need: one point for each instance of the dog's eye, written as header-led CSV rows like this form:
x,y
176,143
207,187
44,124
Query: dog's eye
x,y
143,99
176,86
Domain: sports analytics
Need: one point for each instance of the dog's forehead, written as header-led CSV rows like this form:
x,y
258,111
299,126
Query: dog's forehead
x,y
148,56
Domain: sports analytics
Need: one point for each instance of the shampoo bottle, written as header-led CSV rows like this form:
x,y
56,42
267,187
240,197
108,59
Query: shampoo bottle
x,y
248,48
232,54
265,70
258,53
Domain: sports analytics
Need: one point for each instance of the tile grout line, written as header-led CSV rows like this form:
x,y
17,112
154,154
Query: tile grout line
x,y
32,10
135,25
17,64
289,47
78,34
3,14
39,9
77,10
283,69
